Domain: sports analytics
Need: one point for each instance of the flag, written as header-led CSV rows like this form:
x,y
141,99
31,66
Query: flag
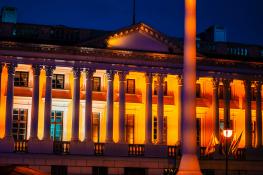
x,y
234,148
233,142
211,145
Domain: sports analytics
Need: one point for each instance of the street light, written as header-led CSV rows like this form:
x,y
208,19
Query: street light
x,y
227,134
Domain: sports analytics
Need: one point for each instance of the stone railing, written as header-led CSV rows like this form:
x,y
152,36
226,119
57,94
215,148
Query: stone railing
x,y
99,149
21,146
136,150
61,147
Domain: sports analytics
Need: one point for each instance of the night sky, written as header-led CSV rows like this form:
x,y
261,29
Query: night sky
x,y
243,19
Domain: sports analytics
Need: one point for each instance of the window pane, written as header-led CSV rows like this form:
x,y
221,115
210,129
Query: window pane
x,y
21,79
96,84
19,125
96,127
58,81
130,86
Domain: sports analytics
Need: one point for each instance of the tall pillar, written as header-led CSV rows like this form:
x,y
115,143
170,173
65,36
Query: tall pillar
x,y
122,78
1,66
215,107
160,108
248,120
259,114
109,119
35,102
189,162
180,106
75,105
48,101
226,94
148,109
88,105
9,101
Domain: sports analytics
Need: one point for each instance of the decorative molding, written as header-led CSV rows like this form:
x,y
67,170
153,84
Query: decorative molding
x,y
110,75
11,68
148,77
49,70
76,72
36,69
122,75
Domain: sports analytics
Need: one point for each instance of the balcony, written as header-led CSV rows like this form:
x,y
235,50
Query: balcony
x,y
136,150
99,149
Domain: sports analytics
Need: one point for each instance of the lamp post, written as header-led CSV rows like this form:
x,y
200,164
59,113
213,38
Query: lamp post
x,y
227,134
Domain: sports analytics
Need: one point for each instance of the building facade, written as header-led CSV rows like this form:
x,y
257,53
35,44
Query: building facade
x,y
76,101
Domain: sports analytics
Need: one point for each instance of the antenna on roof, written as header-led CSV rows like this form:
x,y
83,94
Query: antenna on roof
x,y
133,14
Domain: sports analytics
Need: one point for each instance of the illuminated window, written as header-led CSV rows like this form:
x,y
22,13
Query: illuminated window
x,y
198,131
58,81
99,171
130,86
129,128
155,127
96,127
56,125
253,93
19,126
96,85
198,90
21,79
155,87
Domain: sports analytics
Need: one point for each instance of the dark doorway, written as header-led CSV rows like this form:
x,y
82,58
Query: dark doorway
x,y
134,171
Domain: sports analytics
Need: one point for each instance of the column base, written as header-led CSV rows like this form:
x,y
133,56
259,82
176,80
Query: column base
x,y
81,148
189,165
113,149
7,144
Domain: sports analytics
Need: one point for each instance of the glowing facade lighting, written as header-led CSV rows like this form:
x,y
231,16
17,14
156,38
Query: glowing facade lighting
x,y
227,133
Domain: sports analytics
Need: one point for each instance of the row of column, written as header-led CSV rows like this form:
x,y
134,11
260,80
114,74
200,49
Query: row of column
x,y
248,119
88,104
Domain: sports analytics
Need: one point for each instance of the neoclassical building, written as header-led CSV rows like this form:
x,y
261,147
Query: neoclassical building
x,y
79,101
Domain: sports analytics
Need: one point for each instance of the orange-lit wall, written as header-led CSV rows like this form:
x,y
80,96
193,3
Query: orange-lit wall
x,y
62,99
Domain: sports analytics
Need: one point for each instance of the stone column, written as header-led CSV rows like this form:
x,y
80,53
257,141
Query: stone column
x,y
226,94
48,101
35,103
9,101
75,105
122,78
88,105
109,119
215,107
148,109
180,106
248,120
1,66
160,108
259,114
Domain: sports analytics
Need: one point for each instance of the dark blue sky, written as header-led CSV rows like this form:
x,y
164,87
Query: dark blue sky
x,y
243,19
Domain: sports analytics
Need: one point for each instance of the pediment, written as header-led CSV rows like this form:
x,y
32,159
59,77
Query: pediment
x,y
139,37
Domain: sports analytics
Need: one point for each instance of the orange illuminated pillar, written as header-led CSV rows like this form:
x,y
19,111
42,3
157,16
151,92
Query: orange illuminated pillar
x,y
189,162
259,114
215,107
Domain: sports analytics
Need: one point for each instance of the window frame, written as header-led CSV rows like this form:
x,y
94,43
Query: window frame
x,y
19,83
93,84
18,121
55,85
132,89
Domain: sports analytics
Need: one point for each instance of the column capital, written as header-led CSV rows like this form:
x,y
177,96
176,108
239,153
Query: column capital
x,y
76,72
49,70
122,75
36,69
215,82
258,85
180,80
89,73
160,78
247,83
1,67
148,77
11,68
110,75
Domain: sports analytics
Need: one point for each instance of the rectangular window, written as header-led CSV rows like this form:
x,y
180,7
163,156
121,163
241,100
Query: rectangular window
x,y
129,127
96,84
155,88
198,131
130,86
59,170
198,90
99,171
155,128
21,79
254,133
56,128
253,93
96,127
19,126
58,81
